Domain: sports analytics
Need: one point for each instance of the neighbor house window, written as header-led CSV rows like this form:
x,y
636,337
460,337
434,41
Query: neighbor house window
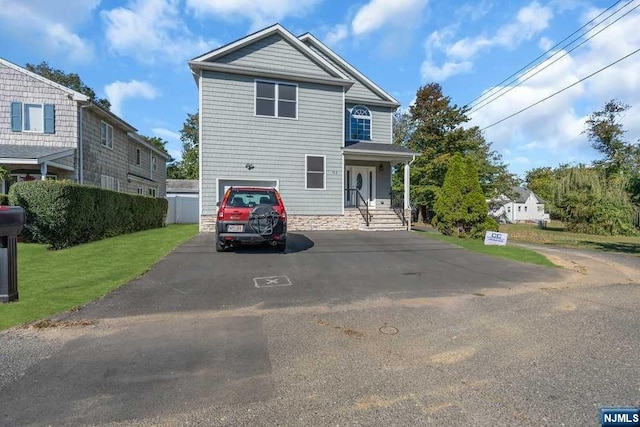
x,y
140,190
276,99
32,117
108,182
519,208
525,208
315,172
154,163
360,123
540,209
152,192
106,134
138,156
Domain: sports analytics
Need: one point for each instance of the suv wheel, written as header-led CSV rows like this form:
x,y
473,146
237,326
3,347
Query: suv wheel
x,y
219,246
282,246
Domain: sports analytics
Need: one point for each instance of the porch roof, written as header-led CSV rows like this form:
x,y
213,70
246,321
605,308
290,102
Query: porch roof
x,y
370,150
32,154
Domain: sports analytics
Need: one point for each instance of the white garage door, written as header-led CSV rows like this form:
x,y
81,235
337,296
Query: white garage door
x,y
224,184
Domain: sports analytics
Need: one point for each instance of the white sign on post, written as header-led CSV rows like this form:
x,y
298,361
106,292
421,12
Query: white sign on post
x,y
495,238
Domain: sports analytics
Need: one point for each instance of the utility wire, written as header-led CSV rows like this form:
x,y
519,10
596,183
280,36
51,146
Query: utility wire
x,y
561,90
515,74
505,91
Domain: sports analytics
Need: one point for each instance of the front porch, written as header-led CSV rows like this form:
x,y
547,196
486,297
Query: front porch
x,y
29,163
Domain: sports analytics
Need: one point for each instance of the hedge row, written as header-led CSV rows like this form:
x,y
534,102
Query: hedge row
x,y
63,214
4,200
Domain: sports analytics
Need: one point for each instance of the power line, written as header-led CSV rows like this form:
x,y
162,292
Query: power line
x,y
561,90
505,90
545,53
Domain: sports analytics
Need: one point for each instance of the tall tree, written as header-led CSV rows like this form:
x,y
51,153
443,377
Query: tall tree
x,y
157,142
190,147
70,80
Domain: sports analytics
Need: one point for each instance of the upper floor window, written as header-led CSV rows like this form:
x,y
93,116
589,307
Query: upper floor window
x,y
138,156
32,117
276,99
106,134
154,163
360,123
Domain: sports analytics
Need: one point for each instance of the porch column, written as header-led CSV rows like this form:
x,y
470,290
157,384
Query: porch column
x,y
406,184
43,170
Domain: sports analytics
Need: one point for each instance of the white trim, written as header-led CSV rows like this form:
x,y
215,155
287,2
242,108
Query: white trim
x,y
61,166
270,74
219,198
276,100
370,122
23,106
274,29
200,144
343,144
372,184
378,153
77,96
335,57
102,122
324,176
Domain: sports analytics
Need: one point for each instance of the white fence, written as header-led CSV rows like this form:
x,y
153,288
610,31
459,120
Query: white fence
x,y
182,209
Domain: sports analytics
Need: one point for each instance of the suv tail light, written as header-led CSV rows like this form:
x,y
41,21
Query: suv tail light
x,y
221,213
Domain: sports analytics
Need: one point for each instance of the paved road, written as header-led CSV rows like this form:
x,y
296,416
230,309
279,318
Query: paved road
x,y
345,328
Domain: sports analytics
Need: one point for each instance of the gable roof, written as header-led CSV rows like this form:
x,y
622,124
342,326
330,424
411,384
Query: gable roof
x,y
522,194
308,37
259,35
77,96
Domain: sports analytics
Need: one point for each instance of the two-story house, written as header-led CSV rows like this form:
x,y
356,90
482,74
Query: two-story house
x,y
287,112
48,131
525,206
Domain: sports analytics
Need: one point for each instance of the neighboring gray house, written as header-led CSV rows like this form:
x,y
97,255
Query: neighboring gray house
x,y
287,112
48,131
524,207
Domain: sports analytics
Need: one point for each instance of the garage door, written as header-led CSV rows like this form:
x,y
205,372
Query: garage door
x,y
224,184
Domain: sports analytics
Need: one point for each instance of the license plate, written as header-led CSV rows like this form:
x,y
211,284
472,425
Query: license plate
x,y
235,228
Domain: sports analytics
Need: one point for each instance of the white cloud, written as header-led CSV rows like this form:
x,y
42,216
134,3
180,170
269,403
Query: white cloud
x,y
50,25
380,13
554,128
545,43
521,160
152,31
458,56
260,13
336,34
167,134
118,91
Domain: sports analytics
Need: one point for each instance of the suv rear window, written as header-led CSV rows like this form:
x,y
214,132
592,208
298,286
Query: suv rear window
x,y
250,198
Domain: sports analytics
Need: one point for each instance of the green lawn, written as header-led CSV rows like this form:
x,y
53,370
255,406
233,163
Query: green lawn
x,y
50,282
508,252
555,235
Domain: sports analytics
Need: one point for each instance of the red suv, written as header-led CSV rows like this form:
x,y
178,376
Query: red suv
x,y
250,215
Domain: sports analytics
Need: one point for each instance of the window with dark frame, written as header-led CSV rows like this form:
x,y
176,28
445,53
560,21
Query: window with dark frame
x,y
138,156
276,99
315,172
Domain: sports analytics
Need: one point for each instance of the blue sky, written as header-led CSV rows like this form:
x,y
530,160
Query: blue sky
x,y
134,52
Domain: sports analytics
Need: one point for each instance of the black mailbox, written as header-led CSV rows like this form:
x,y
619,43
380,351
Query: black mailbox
x,y
11,224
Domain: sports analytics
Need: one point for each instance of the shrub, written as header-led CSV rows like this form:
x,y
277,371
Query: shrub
x,y
63,214
4,200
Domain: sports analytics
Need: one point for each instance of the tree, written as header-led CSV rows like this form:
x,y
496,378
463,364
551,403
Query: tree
x,y
158,142
435,129
461,209
606,133
190,147
70,80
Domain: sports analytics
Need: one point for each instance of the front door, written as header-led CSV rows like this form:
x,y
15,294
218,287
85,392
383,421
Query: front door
x,y
363,179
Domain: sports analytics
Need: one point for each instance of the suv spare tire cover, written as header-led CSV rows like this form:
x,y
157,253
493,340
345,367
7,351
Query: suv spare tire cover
x,y
263,219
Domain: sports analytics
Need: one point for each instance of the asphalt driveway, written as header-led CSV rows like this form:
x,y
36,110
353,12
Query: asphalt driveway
x,y
345,328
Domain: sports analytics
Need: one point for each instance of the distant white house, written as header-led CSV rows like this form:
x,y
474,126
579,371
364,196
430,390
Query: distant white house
x,y
524,207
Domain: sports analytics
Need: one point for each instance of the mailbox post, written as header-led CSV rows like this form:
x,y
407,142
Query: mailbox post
x,y
11,224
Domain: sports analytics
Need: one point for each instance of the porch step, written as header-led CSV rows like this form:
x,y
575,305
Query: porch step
x,y
382,220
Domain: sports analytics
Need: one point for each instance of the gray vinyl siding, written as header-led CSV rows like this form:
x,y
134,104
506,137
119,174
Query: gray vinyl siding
x,y
358,91
232,136
380,123
273,53
20,87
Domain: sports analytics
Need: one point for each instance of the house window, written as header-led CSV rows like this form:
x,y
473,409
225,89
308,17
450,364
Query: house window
x,y
540,208
519,208
154,163
276,99
32,117
107,182
509,209
525,208
138,156
152,192
140,190
106,135
315,172
360,123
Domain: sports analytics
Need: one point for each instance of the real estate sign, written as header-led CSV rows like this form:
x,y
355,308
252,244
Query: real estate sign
x,y
495,238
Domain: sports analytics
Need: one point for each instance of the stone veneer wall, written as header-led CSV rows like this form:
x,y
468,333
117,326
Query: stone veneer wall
x,y
348,221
